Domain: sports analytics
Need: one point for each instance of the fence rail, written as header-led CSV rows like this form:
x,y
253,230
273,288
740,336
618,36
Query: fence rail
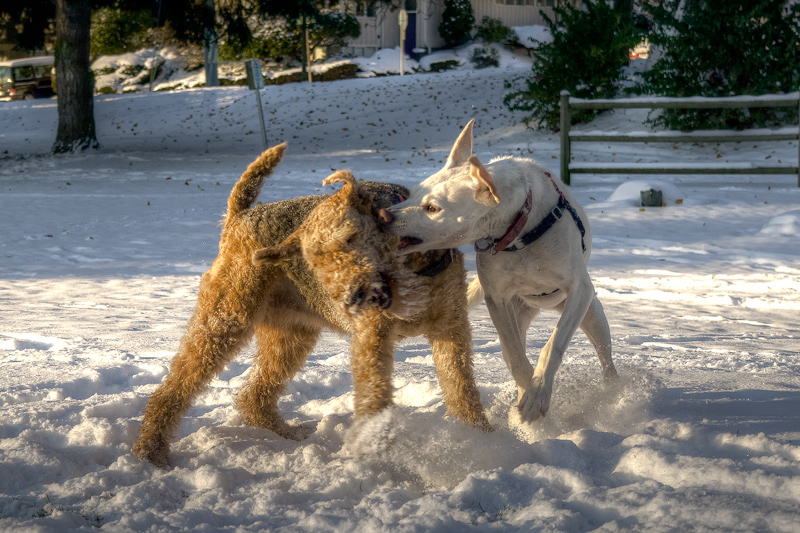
x,y
569,103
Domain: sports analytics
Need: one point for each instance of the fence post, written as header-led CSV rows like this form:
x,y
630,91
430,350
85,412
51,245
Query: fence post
x,y
566,120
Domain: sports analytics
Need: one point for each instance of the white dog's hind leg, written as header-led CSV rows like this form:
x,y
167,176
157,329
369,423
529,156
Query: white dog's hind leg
x,y
595,326
536,400
511,319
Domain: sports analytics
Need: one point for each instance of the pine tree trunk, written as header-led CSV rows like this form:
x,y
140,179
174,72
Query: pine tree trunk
x,y
74,80
625,9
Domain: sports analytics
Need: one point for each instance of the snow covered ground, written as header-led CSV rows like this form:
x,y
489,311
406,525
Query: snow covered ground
x,y
100,257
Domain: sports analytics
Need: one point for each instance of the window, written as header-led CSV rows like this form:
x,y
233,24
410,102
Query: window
x,y
365,8
23,73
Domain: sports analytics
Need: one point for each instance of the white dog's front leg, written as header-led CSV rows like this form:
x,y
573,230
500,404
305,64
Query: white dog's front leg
x,y
535,400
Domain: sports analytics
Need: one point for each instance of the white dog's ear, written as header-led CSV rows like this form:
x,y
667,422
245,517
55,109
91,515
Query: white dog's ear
x,y
485,190
462,148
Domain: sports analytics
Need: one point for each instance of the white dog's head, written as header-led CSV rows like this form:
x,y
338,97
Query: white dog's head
x,y
443,210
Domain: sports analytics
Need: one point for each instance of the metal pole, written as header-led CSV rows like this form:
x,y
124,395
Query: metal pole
x,y
402,20
255,82
261,116
566,120
308,50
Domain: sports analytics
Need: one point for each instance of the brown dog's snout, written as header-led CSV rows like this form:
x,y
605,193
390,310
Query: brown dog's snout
x,y
385,216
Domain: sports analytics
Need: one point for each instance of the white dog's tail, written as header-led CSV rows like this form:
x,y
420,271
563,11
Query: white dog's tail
x,y
474,293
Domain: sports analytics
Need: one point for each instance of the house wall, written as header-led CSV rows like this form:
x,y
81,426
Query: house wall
x,y
527,14
383,31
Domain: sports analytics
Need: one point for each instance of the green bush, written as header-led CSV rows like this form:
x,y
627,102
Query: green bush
x,y
440,66
115,31
586,57
457,22
339,72
483,57
132,70
279,39
721,48
494,31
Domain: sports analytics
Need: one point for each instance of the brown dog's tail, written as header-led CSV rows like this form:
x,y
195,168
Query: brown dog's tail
x,y
246,190
475,293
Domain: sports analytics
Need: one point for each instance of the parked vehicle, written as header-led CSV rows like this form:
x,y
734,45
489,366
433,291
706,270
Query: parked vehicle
x,y
25,79
641,50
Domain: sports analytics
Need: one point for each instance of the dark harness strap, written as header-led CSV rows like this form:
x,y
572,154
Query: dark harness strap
x,y
541,228
434,269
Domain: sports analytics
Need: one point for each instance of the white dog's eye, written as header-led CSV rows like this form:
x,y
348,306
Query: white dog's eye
x,y
430,208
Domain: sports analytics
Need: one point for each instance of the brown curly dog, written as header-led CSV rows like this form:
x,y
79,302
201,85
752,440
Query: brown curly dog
x,y
289,269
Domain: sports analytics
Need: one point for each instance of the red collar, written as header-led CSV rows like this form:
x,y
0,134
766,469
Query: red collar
x,y
513,231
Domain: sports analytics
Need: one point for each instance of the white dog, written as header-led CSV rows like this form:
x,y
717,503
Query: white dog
x,y
532,242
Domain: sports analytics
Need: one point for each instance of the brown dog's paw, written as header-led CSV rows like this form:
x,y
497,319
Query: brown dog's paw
x,y
156,453
292,432
484,426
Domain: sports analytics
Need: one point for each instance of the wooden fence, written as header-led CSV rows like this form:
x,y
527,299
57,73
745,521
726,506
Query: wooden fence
x,y
569,103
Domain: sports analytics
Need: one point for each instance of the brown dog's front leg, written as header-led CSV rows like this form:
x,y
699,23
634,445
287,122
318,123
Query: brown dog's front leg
x,y
371,362
452,356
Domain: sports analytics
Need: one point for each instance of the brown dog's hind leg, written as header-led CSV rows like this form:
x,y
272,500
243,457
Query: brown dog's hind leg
x,y
281,354
220,326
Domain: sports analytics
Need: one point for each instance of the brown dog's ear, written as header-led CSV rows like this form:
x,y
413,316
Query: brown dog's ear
x,y
485,190
344,176
273,255
462,148
355,195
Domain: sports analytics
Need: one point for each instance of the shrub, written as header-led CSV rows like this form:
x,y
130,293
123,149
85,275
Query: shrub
x,y
483,57
132,70
339,72
721,48
586,57
277,38
115,31
457,22
440,66
494,31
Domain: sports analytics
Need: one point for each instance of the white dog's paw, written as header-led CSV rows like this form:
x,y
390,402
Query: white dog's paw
x,y
535,401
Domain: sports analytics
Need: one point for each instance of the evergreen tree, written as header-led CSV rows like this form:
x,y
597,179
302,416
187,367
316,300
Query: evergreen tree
x,y
722,48
457,22
589,48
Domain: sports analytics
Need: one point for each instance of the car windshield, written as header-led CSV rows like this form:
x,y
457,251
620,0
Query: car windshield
x,y
5,74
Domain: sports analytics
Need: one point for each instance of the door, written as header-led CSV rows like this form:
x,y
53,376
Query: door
x,y
411,34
